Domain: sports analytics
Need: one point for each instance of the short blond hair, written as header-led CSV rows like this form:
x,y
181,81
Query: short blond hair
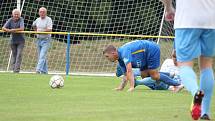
x,y
109,49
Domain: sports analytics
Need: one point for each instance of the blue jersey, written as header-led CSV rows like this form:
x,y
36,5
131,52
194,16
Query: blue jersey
x,y
141,54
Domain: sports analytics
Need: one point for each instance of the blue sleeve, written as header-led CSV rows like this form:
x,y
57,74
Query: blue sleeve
x,y
7,24
119,71
22,23
126,56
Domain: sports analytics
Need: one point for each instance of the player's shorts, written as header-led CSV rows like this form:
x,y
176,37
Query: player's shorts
x,y
191,43
153,58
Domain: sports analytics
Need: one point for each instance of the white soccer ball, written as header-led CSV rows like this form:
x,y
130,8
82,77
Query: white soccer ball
x,y
56,81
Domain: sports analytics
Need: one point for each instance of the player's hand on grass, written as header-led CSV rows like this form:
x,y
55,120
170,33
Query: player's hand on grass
x,y
131,89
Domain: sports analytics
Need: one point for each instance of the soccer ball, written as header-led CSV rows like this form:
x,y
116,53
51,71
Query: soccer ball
x,y
56,81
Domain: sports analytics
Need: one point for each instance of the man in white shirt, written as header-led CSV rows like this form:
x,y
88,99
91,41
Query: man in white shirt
x,y
43,24
194,23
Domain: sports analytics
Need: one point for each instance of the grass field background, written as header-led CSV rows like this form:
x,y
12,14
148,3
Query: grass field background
x,y
28,97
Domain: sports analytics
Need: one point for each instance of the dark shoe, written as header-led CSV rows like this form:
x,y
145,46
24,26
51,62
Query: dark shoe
x,y
15,71
38,72
196,107
205,117
43,72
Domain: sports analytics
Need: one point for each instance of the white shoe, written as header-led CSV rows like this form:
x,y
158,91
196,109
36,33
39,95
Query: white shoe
x,y
178,88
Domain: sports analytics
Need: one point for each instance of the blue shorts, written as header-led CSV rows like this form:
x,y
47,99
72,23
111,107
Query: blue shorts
x,y
191,43
153,58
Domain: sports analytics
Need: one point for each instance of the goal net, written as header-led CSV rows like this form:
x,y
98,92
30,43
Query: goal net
x,y
93,25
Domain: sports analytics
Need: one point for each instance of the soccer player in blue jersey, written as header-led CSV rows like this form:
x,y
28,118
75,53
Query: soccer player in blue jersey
x,y
141,54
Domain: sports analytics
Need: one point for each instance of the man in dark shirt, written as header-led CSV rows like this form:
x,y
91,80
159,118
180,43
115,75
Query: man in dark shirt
x,y
14,24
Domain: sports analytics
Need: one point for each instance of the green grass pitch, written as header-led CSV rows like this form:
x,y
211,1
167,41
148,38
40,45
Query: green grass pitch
x,y
28,97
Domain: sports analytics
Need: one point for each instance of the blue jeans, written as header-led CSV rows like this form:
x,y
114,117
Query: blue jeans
x,y
42,49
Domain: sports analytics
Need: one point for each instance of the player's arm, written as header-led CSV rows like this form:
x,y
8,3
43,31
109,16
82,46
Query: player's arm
x,y
49,26
121,71
34,25
5,29
167,3
126,55
6,26
48,30
21,28
12,30
130,76
122,84
174,57
170,11
17,29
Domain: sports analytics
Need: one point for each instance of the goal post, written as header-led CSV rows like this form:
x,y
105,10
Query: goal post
x,y
92,25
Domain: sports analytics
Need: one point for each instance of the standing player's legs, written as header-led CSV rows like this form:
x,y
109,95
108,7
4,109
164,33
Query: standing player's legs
x,y
45,67
38,44
20,48
187,48
187,44
206,84
43,50
206,75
